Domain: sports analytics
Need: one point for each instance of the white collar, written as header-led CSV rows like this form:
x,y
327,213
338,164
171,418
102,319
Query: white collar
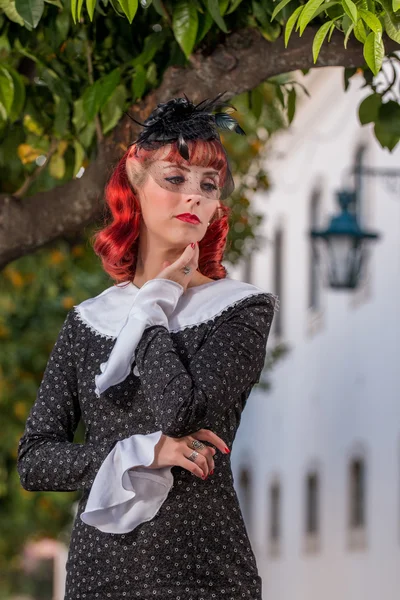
x,y
106,313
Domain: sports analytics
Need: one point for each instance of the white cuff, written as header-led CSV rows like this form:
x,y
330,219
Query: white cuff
x,y
153,305
120,499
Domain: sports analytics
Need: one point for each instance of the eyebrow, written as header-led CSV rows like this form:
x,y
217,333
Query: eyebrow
x,y
186,169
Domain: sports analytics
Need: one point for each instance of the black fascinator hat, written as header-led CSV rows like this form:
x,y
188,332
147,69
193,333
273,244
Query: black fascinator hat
x,y
179,120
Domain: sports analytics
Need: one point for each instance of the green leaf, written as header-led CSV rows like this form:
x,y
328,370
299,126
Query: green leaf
x,y
348,32
96,95
57,85
138,82
205,24
19,95
325,6
269,31
78,118
185,23
394,17
233,6
291,22
63,23
223,6
151,74
213,8
280,96
256,102
319,38
371,20
331,30
389,115
395,5
368,110
107,85
259,12
129,7
76,9
113,110
351,10
79,157
291,104
359,31
11,12
307,14
281,5
91,101
86,135
391,30
6,89
385,137
57,166
152,44
374,51
90,6
30,10
61,120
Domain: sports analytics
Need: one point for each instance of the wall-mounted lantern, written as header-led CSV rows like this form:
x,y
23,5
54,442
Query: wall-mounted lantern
x,y
343,246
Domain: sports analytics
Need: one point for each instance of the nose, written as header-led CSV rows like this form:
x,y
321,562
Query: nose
x,y
192,197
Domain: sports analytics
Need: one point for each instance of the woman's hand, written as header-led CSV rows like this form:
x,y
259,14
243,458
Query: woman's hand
x,y
174,271
171,452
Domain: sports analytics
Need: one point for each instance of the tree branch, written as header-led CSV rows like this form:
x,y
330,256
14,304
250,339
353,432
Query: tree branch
x,y
242,62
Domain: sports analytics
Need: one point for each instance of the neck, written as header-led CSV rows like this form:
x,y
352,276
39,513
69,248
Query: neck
x,y
150,262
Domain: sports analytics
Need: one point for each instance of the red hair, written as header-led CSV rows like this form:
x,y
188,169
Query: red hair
x,y
118,242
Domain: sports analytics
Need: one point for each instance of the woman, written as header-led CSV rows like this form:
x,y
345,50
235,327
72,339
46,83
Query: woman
x,y
159,367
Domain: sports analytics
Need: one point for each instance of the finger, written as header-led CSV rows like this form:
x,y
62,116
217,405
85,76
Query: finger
x,y
189,465
207,451
213,438
187,255
200,460
193,260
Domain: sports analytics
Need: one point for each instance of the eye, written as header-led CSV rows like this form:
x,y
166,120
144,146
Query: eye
x,y
171,179
211,186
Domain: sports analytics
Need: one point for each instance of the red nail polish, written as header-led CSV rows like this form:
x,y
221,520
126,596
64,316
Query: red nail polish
x,y
212,472
192,244
227,451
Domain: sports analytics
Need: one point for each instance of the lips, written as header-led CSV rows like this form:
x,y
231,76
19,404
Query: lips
x,y
189,218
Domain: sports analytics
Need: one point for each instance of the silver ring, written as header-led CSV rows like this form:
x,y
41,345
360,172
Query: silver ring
x,y
197,444
193,456
186,270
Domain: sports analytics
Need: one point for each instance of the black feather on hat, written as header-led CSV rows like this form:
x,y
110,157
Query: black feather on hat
x,y
179,120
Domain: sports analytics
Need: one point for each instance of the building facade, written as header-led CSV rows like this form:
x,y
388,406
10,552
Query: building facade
x,y
317,458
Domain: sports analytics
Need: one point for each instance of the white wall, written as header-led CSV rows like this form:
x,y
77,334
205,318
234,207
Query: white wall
x,y
338,388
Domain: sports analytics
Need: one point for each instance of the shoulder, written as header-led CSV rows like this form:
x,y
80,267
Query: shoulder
x,y
106,313
220,298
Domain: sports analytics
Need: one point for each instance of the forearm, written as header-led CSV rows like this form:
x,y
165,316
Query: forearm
x,y
47,465
218,377
179,407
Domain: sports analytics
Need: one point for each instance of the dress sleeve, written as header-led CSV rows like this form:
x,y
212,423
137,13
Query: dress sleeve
x,y
227,365
48,459
125,491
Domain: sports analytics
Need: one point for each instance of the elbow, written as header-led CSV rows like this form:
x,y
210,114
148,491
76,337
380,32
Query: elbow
x,y
28,470
26,480
174,429
190,417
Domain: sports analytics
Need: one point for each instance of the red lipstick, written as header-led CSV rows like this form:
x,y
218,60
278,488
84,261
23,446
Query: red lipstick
x,y
189,218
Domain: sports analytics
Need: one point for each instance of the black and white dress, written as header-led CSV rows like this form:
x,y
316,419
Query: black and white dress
x,y
133,364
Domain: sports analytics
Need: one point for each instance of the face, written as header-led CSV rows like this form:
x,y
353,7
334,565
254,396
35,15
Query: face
x,y
171,190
